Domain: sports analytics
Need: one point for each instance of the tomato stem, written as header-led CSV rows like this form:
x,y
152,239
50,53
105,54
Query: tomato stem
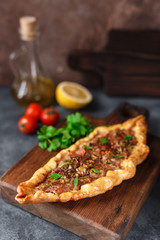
x,y
23,126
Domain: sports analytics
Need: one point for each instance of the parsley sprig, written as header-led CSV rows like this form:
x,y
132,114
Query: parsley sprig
x,y
65,163
87,147
76,181
55,176
103,140
127,137
77,126
97,171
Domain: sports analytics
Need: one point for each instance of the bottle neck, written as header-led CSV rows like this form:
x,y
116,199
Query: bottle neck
x,y
32,51
31,48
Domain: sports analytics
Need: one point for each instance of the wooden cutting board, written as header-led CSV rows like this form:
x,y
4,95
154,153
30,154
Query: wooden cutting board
x,y
128,65
107,216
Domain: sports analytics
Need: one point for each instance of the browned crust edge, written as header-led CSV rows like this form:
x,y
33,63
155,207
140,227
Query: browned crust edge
x,y
26,190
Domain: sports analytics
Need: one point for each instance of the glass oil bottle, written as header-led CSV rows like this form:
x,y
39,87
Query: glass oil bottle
x,y
31,84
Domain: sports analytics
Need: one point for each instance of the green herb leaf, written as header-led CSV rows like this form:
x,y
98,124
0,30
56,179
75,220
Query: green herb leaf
x,y
52,146
117,156
50,131
77,126
65,163
63,146
128,137
87,147
55,175
83,130
103,140
41,138
57,143
43,129
75,132
76,181
95,170
43,145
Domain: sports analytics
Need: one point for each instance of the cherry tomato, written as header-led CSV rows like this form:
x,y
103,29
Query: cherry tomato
x,y
34,110
27,124
49,116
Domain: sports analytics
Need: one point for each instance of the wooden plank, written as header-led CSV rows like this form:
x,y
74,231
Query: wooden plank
x,y
107,216
128,65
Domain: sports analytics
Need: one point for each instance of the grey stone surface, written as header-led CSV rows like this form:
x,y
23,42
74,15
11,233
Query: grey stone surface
x,y
16,224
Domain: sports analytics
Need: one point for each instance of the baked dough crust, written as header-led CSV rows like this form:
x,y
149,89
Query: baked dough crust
x,y
27,192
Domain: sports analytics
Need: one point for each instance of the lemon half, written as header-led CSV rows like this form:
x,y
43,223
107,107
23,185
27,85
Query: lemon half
x,y
72,95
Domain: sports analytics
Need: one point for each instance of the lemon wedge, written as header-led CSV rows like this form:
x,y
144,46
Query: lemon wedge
x,y
72,95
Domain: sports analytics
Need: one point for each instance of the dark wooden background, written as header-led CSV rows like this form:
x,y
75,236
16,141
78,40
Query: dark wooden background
x,y
68,25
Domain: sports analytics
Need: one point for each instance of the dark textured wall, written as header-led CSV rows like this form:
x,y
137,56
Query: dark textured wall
x,y
71,24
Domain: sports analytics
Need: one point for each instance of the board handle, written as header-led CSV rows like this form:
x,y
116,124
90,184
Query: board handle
x,y
122,113
126,111
87,61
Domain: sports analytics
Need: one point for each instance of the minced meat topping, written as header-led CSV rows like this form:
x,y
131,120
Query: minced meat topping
x,y
90,161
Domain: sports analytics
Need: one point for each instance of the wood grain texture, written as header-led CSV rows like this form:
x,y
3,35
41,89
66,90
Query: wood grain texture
x,y
107,216
128,65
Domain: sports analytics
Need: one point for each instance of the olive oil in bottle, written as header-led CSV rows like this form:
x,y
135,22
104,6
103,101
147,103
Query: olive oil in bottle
x,y
31,84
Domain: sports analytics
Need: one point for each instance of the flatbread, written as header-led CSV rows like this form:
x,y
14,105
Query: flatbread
x,y
104,158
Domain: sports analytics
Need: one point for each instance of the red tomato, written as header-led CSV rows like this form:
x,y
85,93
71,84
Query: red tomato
x,y
80,153
27,124
34,110
49,116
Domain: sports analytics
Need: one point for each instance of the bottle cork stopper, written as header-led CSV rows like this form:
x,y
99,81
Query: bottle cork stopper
x,y
28,27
